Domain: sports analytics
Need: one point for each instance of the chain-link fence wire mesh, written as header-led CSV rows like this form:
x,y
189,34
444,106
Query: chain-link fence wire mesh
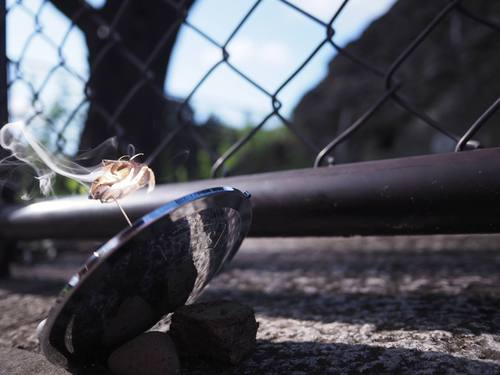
x,y
181,114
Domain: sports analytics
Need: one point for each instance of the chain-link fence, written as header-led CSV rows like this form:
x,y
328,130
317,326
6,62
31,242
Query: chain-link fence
x,y
124,83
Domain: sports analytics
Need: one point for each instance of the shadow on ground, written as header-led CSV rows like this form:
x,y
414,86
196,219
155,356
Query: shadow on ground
x,y
32,285
459,314
300,358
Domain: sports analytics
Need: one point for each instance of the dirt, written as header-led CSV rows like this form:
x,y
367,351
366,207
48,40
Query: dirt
x,y
324,306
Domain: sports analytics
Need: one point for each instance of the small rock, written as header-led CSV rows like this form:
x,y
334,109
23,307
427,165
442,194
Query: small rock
x,y
222,330
151,353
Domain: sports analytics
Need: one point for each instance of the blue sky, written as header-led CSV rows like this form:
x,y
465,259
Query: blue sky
x,y
271,45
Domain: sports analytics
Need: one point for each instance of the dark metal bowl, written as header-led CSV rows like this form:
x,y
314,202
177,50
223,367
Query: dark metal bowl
x,y
143,273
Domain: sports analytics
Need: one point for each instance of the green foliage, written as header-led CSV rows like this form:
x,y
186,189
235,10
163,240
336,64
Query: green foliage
x,y
269,150
204,164
67,186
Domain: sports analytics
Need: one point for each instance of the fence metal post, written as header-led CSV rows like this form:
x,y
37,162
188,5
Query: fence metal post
x,y
4,112
5,254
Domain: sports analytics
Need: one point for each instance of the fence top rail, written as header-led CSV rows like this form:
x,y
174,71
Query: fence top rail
x,y
394,196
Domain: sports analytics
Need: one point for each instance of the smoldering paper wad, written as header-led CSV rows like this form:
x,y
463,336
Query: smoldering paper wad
x,y
107,181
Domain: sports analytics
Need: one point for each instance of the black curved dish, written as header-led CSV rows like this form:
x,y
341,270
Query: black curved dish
x,y
143,273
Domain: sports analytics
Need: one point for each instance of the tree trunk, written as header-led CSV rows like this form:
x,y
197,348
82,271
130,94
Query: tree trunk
x,y
128,67
114,76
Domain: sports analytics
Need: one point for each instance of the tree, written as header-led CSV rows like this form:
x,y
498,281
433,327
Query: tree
x,y
129,46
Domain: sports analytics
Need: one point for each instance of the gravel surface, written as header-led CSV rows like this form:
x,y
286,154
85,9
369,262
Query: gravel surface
x,y
325,306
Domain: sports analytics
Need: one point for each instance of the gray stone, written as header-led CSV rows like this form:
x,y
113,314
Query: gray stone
x,y
221,330
22,362
152,353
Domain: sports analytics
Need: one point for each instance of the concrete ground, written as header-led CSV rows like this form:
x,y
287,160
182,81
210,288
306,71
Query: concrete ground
x,y
419,305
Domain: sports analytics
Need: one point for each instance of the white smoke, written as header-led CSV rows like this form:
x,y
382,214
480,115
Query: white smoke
x,y
16,138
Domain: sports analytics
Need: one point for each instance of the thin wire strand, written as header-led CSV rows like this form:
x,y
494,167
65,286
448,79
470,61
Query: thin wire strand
x,y
123,212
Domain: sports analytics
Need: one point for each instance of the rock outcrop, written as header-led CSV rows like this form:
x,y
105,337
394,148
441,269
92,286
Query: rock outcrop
x,y
452,76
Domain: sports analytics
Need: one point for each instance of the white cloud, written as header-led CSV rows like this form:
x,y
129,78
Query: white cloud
x,y
322,9
18,106
363,9
209,55
275,53
271,53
